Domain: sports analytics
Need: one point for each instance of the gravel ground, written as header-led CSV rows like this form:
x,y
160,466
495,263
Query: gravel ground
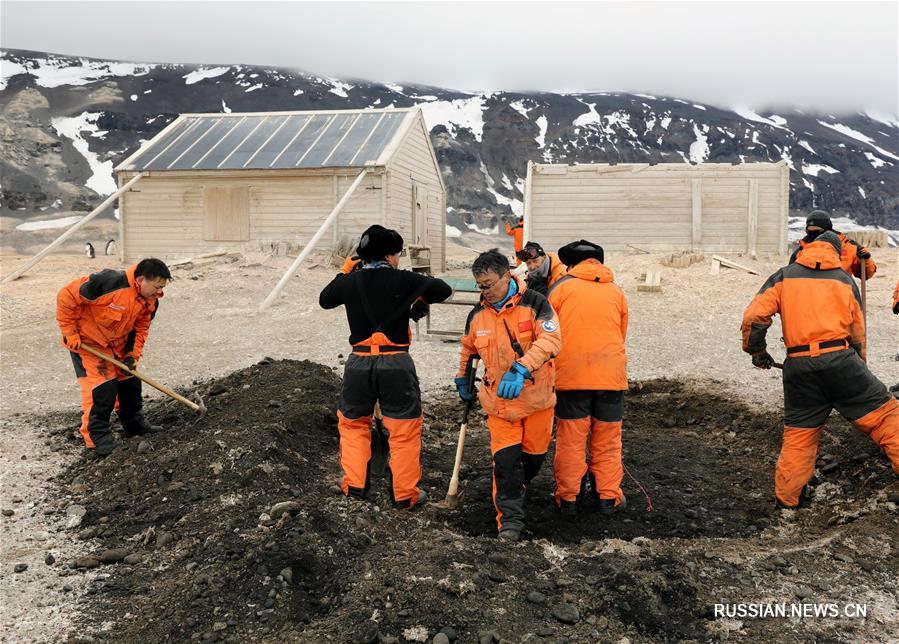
x,y
208,326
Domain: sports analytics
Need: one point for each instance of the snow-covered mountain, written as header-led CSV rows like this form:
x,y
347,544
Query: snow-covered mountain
x,y
65,122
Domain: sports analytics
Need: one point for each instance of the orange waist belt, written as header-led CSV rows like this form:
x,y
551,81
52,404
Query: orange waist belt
x,y
817,348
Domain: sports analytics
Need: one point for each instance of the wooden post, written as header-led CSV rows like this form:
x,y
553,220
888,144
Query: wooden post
x,y
528,189
312,242
752,215
68,233
697,214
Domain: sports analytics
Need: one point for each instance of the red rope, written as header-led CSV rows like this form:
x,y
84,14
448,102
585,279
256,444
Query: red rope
x,y
642,488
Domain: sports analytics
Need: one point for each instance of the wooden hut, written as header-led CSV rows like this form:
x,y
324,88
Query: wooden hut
x,y
224,182
710,207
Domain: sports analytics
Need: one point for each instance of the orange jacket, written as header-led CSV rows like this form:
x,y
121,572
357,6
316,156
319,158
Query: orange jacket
x,y
848,257
896,298
592,312
516,232
107,310
817,302
534,325
557,270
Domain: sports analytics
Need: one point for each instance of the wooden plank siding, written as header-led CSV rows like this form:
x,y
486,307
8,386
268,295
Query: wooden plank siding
x,y
662,208
166,217
413,163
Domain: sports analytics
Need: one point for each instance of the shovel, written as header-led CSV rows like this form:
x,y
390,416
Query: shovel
x,y
452,494
199,408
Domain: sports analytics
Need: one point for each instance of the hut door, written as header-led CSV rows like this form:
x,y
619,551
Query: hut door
x,y
227,213
419,215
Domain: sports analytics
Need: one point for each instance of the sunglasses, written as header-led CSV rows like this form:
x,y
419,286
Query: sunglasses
x,y
527,253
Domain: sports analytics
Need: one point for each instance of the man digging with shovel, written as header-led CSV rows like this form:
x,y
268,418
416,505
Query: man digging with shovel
x,y
110,310
379,301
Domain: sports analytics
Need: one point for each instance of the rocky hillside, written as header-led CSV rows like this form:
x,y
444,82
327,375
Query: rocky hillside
x,y
65,122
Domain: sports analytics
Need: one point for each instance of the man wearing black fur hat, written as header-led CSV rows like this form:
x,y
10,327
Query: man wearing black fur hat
x,y
378,298
819,222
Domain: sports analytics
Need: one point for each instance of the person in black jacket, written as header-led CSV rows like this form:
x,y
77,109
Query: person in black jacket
x,y
379,301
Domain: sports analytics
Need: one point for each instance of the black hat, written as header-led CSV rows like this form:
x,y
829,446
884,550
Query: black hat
x,y
820,219
378,242
578,251
531,250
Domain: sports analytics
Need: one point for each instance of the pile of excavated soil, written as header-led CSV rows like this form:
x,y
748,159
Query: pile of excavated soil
x,y
228,527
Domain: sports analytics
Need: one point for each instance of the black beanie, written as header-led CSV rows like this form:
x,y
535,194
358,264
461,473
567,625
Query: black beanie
x,y
578,251
378,242
820,219
537,248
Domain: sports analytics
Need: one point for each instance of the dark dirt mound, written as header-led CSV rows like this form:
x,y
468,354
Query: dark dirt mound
x,y
211,561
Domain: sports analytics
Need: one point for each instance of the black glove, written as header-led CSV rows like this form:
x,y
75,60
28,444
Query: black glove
x,y
863,253
129,362
419,309
762,360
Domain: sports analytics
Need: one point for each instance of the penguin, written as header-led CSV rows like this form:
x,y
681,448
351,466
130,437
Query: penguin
x,y
89,250
110,247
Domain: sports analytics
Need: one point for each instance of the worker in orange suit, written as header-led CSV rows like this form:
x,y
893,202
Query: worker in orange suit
x,y
379,300
110,311
591,378
516,232
544,269
824,331
516,334
852,253
896,299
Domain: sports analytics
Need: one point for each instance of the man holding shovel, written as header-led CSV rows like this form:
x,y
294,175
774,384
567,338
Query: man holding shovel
x,y
824,331
516,334
379,300
111,311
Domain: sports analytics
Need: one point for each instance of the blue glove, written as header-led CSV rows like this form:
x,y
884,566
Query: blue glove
x,y
462,388
513,382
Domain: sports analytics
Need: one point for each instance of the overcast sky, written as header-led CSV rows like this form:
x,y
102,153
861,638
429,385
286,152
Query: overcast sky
x,y
823,55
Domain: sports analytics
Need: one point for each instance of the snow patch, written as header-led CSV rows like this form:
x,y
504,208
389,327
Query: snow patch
x,y
875,161
72,127
225,108
459,113
8,69
814,168
858,136
649,96
541,138
49,224
665,122
861,191
749,115
203,73
54,72
806,145
339,88
699,149
808,184
297,92
519,107
254,88
453,232
699,107
591,117
394,88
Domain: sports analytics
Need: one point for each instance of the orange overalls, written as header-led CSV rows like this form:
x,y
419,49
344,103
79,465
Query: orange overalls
x,y
380,370
820,308
107,310
591,378
520,429
516,232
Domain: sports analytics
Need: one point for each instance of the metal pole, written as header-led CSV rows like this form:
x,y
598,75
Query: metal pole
x,y
312,242
59,240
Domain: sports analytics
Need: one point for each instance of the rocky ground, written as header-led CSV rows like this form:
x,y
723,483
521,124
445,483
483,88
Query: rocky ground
x,y
228,526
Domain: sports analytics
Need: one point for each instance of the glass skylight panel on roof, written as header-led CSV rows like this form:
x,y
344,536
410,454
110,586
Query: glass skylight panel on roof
x,y
259,141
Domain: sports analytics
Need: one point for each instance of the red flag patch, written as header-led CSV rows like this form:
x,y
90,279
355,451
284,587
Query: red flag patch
x,y
525,326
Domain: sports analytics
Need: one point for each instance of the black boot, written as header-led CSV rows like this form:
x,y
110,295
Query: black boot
x,y
137,425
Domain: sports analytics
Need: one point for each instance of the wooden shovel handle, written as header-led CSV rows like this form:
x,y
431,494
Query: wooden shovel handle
x,y
146,379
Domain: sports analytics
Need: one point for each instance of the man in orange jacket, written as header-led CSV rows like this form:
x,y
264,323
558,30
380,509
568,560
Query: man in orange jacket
x,y
379,300
110,311
824,330
516,334
516,232
852,253
544,269
591,378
